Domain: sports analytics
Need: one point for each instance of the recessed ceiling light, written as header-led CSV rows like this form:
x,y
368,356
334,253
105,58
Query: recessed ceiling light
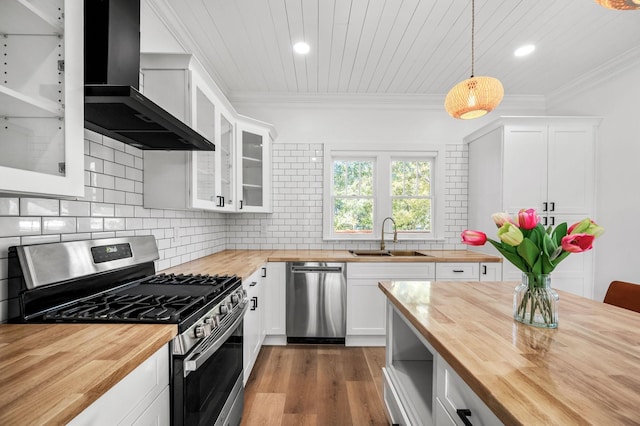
x,y
524,50
301,47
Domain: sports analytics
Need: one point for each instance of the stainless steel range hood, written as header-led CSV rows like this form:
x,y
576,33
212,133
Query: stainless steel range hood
x,y
113,106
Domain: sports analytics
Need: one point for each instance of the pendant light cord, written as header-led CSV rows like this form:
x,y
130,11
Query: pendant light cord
x,y
473,28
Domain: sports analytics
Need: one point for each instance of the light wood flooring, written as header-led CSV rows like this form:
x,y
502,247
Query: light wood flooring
x,y
315,385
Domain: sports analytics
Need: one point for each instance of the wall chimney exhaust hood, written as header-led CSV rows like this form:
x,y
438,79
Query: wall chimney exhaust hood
x,y
113,106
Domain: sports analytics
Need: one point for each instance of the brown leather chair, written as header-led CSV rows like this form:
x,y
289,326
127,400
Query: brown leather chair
x,y
623,294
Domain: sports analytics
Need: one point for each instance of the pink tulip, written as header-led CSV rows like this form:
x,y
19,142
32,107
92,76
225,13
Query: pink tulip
x,y
577,243
501,218
527,219
473,238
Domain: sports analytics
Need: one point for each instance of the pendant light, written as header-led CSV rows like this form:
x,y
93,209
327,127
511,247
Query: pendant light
x,y
620,4
476,96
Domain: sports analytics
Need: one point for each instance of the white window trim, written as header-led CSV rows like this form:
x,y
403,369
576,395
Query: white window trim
x,y
383,156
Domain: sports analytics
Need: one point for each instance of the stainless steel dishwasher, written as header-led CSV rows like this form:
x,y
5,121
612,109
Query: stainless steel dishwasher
x,y
316,302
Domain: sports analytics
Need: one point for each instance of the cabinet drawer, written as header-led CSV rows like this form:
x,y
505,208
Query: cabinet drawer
x,y
391,270
455,394
457,272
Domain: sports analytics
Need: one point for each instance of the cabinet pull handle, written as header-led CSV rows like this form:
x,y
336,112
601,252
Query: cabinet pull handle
x,y
484,269
264,272
553,220
253,283
254,303
220,201
545,206
553,206
545,221
240,204
463,413
458,270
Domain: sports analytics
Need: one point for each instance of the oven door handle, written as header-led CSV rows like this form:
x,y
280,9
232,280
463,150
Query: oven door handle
x,y
193,362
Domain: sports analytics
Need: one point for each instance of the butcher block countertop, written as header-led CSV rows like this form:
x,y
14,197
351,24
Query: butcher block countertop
x,y
50,373
584,372
245,262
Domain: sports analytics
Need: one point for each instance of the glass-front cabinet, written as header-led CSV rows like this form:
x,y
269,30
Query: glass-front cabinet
x,y
254,175
226,201
41,97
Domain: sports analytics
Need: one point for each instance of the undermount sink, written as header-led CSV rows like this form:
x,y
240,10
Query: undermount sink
x,y
384,253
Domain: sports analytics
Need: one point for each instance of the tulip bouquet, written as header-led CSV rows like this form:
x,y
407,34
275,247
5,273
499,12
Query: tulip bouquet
x,y
536,251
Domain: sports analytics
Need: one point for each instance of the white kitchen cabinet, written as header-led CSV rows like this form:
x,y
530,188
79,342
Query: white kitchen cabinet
x,y
366,320
490,271
419,386
254,324
142,397
254,166
42,98
545,163
275,304
188,179
460,271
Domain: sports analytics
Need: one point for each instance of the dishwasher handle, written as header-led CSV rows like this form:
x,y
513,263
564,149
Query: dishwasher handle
x,y
318,269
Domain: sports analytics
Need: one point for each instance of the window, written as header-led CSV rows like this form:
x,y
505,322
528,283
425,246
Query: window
x,y
363,187
411,195
353,196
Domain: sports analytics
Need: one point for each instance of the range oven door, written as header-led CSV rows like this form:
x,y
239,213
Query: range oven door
x,y
207,382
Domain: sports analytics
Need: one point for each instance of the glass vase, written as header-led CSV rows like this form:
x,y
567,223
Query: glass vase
x,y
535,302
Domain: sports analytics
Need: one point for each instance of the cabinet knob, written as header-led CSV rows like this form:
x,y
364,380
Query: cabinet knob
x,y
464,413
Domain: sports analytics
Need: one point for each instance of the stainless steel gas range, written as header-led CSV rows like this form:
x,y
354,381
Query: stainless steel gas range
x,y
113,280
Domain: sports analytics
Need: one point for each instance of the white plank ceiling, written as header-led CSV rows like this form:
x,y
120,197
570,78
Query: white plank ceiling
x,y
398,46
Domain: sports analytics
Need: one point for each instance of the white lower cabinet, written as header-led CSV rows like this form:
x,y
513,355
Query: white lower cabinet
x,y
275,304
448,271
491,271
141,398
420,388
253,329
366,323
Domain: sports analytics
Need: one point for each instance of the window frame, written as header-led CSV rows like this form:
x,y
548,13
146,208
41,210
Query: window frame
x,y
383,156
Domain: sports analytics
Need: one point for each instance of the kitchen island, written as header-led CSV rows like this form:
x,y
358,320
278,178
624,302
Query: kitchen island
x,y
583,372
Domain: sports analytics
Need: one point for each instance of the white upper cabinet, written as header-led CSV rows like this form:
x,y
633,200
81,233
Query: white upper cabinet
x,y
254,171
236,177
41,97
545,163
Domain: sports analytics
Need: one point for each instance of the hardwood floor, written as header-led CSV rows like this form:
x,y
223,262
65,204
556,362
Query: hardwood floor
x,y
315,385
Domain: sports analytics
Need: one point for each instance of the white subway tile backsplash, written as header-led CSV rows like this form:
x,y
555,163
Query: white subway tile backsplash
x,y
89,224
102,181
116,197
5,243
112,143
9,206
100,209
133,174
58,225
39,207
101,151
93,194
75,237
133,223
114,223
18,226
124,210
134,199
39,239
124,159
92,164
124,185
74,208
92,136
99,235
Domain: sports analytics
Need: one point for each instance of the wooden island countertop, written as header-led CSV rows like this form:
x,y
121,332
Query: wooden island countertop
x,y
49,373
584,372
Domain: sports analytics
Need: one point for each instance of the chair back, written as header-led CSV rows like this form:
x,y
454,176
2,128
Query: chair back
x,y
623,294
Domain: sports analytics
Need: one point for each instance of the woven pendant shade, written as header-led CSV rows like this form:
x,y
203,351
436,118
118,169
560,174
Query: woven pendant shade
x,y
620,4
474,97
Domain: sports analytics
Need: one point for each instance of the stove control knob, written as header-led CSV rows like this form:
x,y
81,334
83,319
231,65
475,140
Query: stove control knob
x,y
224,309
211,321
243,293
199,331
235,299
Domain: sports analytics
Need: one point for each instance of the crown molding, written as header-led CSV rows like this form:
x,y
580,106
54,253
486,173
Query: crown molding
x,y
596,76
368,101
